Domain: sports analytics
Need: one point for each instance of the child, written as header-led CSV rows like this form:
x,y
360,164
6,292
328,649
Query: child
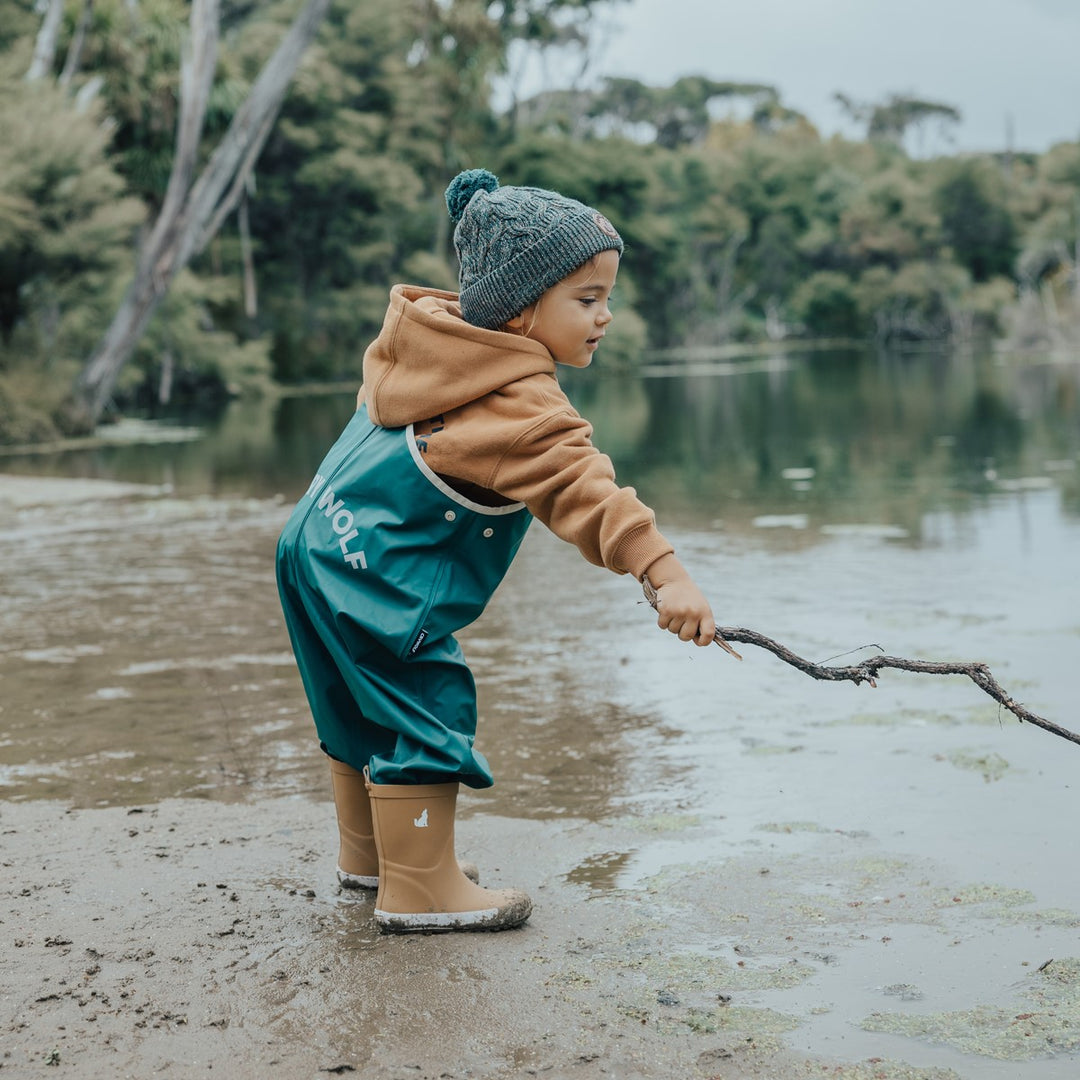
x,y
461,436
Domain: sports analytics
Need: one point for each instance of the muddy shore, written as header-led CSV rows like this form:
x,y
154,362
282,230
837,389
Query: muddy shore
x,y
754,877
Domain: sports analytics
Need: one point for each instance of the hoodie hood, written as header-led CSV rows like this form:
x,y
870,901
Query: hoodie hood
x,y
428,360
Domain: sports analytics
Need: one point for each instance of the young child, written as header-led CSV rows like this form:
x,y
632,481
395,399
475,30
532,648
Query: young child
x,y
461,437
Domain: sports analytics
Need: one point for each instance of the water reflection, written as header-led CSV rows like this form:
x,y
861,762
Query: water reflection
x,y
841,435
882,437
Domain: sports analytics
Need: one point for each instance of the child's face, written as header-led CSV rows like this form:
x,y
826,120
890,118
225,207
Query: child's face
x,y
571,317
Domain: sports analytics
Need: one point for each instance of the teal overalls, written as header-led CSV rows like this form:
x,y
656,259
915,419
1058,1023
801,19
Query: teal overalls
x,y
378,566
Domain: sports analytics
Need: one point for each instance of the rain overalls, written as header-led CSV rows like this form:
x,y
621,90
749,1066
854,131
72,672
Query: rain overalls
x,y
378,566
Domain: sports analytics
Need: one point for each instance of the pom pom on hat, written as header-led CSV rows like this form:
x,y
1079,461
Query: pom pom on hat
x,y
464,186
514,243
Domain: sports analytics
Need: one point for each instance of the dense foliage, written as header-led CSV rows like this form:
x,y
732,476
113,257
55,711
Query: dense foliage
x,y
742,223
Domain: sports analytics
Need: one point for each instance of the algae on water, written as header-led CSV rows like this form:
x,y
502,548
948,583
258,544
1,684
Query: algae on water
x,y
990,765
1001,895
762,1023
792,827
884,1069
1046,1022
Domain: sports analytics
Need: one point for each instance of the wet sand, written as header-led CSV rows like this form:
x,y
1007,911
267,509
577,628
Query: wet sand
x,y
737,872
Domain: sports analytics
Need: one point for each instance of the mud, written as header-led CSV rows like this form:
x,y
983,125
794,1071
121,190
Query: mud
x,y
737,872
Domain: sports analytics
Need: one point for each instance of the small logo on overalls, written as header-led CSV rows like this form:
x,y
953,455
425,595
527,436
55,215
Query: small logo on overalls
x,y
421,821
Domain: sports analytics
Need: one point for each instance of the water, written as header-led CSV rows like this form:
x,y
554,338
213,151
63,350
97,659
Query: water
x,y
929,504
883,435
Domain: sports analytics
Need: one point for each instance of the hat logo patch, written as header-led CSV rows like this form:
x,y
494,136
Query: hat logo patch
x,y
605,226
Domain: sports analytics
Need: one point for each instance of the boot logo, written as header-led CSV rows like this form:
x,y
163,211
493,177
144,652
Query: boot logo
x,y
421,821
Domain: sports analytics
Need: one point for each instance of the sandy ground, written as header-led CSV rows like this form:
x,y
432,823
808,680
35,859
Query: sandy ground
x,y
688,922
190,938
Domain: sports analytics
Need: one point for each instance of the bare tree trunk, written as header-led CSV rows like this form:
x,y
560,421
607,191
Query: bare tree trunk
x,y
193,211
251,294
45,44
74,53
156,264
165,386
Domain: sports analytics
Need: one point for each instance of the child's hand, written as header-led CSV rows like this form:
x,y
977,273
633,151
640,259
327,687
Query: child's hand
x,y
681,607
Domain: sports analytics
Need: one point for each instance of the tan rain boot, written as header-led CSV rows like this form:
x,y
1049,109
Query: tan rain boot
x,y
358,861
420,884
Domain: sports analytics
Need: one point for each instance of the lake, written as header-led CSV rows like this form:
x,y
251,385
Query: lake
x,y
822,434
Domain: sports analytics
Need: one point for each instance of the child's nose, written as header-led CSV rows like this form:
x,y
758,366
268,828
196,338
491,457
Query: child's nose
x,y
604,316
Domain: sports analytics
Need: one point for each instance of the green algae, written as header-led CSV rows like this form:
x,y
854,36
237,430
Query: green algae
x,y
747,954
764,1023
1046,1022
889,719
1061,917
874,1069
696,971
981,715
1000,895
791,827
772,749
744,953
991,766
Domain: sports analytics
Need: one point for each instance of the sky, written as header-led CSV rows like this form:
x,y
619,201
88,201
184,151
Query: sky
x,y
1007,65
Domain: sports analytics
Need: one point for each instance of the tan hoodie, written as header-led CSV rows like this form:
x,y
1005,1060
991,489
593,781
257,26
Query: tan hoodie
x,y
492,420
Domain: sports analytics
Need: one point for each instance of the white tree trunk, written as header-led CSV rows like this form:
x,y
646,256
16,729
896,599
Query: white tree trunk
x,y
45,43
194,210
251,292
78,40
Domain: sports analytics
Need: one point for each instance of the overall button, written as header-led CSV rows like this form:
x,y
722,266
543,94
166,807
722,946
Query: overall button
x,y
450,515
489,532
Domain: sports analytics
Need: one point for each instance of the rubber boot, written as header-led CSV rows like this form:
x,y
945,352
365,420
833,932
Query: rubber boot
x,y
421,886
358,860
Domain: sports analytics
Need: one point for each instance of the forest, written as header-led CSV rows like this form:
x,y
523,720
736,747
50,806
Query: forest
x,y
743,224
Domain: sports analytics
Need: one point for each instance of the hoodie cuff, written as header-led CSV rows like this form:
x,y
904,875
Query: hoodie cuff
x,y
639,549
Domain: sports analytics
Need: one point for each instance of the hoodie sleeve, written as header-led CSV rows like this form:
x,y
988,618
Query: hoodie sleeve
x,y
551,465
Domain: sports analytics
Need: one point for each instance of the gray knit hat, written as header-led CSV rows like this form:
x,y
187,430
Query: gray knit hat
x,y
514,243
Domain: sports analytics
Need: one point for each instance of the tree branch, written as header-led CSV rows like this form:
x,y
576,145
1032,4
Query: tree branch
x,y
78,42
191,202
867,671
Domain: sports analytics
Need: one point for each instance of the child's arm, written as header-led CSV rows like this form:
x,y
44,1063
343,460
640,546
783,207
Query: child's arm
x,y
681,607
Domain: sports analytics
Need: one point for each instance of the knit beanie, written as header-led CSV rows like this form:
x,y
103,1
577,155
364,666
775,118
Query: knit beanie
x,y
514,243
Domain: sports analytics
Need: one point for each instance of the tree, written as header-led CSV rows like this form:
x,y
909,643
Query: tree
x,y
890,120
826,306
194,208
350,190
975,218
678,114
538,30
65,219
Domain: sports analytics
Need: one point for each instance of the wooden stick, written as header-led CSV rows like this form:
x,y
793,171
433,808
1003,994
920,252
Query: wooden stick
x,y
867,670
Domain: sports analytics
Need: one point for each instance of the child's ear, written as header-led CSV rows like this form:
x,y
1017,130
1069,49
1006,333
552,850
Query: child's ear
x,y
516,323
